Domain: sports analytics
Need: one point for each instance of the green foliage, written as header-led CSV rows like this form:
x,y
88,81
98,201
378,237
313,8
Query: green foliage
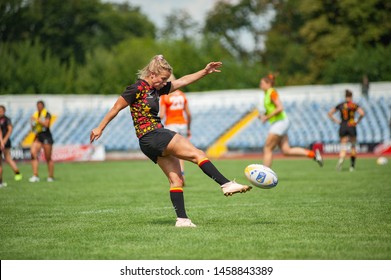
x,y
118,210
71,29
109,72
27,68
179,26
327,36
87,46
14,20
227,21
361,61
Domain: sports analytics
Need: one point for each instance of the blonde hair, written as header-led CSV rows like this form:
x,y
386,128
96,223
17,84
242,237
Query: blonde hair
x,y
157,64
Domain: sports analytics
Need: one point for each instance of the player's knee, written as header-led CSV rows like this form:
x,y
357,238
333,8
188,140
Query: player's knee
x,y
34,156
285,149
198,156
268,148
344,147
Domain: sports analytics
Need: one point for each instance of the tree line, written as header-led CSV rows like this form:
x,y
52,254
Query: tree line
x,y
91,47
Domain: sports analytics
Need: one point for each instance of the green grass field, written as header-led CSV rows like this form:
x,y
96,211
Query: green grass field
x,y
122,210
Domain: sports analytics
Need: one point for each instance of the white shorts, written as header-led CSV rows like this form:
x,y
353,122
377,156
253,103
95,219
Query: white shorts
x,y
280,127
179,128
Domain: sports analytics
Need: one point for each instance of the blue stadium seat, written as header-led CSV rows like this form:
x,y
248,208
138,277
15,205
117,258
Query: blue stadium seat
x,y
309,124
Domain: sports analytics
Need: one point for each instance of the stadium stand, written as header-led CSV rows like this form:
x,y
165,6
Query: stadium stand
x,y
213,114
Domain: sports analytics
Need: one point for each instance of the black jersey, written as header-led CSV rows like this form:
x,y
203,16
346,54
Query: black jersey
x,y
4,123
143,102
347,111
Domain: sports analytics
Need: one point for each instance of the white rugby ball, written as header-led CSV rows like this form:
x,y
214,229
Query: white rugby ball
x,y
382,161
261,176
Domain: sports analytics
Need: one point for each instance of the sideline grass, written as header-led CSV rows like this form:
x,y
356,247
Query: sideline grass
x,y
121,210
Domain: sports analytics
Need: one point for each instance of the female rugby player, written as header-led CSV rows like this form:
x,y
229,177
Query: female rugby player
x,y
161,145
347,129
40,123
5,145
279,125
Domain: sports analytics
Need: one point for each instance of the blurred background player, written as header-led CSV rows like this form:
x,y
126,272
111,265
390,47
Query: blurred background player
x,y
174,109
163,146
6,131
2,184
347,129
40,123
279,125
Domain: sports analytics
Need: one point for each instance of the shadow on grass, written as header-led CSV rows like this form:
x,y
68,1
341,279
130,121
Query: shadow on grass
x,y
165,221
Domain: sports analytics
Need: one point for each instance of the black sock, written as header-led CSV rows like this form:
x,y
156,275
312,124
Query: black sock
x,y
210,170
352,161
17,172
178,201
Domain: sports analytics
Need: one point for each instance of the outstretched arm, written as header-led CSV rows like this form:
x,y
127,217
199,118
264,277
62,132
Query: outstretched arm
x,y
191,78
118,106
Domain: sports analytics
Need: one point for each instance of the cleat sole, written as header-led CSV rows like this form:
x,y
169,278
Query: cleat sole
x,y
240,191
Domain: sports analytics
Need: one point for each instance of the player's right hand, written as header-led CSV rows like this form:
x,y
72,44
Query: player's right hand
x,y
95,134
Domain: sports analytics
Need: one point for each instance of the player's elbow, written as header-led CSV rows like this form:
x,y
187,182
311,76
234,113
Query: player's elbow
x,y
279,109
114,110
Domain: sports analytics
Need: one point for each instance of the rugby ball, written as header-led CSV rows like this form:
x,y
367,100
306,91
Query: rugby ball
x,y
261,176
382,161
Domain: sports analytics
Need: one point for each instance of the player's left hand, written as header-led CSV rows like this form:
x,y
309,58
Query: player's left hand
x,y
212,67
263,118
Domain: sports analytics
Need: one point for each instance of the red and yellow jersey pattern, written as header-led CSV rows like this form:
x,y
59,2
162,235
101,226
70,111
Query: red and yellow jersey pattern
x,y
347,110
143,102
175,104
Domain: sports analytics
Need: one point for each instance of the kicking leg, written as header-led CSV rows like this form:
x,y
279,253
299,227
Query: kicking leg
x,y
182,148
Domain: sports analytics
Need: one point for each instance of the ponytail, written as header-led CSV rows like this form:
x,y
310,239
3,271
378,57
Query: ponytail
x,y
270,79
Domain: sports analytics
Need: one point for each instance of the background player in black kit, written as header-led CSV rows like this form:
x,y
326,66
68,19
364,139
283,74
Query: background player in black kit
x,y
40,124
5,145
161,145
347,129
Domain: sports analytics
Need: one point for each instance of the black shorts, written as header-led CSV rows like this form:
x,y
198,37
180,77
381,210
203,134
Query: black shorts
x,y
345,130
45,138
153,143
7,146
